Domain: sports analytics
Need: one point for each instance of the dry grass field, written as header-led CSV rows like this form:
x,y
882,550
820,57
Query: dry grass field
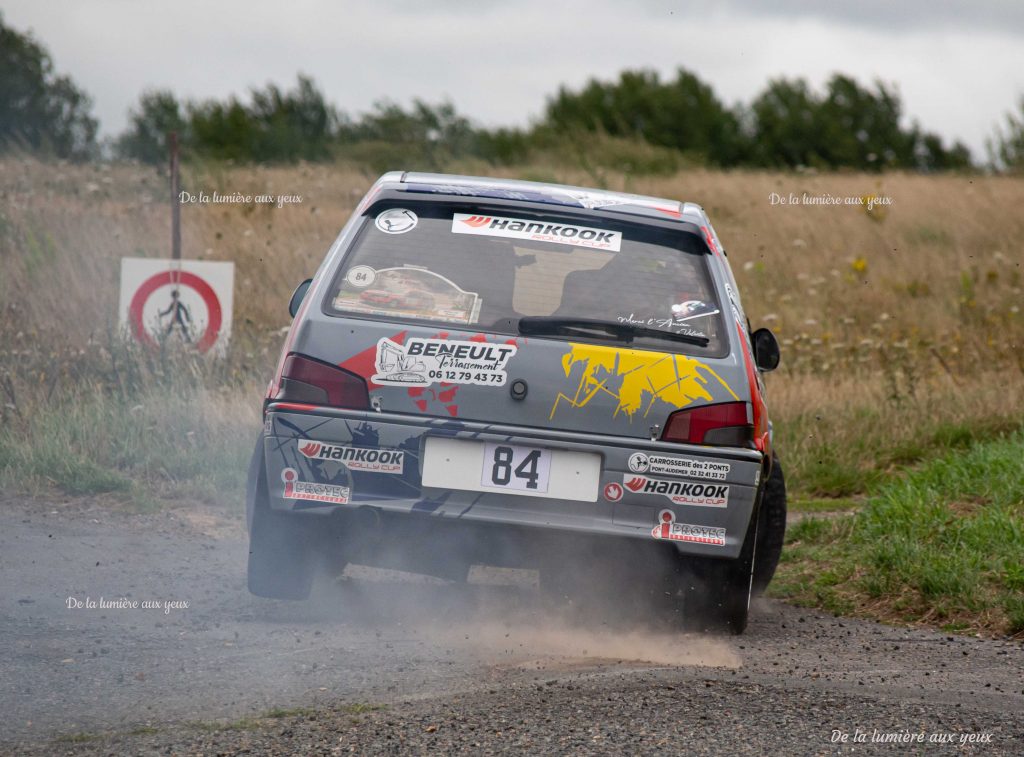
x,y
901,327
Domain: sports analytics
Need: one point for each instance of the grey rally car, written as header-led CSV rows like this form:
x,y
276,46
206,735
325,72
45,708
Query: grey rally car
x,y
521,374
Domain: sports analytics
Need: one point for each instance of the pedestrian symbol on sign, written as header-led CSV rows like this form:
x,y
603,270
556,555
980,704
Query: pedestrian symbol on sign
x,y
180,316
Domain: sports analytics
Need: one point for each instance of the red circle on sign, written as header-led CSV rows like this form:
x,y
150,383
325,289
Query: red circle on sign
x,y
613,492
182,278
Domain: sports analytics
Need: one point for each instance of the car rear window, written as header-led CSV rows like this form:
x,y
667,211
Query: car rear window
x,y
470,268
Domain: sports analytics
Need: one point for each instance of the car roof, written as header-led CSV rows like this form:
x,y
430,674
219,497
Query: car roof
x,y
545,193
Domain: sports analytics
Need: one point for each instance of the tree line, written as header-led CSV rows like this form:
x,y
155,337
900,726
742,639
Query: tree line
x,y
639,122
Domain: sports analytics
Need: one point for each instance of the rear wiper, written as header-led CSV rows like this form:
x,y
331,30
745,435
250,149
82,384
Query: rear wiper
x,y
626,332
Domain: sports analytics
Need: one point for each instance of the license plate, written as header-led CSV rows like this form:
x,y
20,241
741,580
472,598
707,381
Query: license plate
x,y
509,466
511,469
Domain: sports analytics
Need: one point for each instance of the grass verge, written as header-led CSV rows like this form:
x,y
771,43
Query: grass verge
x,y
822,505
171,444
942,546
848,437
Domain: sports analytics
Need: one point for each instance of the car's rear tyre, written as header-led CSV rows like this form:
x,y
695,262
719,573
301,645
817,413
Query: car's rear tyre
x,y
717,593
772,527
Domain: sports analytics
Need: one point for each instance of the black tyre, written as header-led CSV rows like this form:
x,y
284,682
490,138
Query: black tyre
x,y
772,527
716,593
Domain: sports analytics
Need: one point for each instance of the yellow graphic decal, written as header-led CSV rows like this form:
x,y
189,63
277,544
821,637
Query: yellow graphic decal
x,y
636,379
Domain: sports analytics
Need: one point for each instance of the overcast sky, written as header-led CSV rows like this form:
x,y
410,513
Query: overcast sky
x,y
959,65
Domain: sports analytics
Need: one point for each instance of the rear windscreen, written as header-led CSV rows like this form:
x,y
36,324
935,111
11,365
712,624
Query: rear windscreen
x,y
467,268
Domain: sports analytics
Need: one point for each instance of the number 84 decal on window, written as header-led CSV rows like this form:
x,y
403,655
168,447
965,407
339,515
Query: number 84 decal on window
x,y
508,466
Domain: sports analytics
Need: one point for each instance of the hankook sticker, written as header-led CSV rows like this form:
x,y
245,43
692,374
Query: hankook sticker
x,y
396,221
680,492
640,462
330,493
517,228
355,458
667,528
421,362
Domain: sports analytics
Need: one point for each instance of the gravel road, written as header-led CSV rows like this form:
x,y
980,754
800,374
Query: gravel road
x,y
388,663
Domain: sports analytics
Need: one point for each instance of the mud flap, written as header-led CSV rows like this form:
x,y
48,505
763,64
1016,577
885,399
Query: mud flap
x,y
281,555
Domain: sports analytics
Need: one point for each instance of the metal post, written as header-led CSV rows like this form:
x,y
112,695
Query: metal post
x,y
172,141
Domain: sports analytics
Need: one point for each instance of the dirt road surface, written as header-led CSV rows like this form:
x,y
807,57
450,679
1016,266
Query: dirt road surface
x,y
389,663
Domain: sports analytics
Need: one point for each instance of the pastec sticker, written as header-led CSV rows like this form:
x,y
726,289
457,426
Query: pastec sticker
x,y
330,493
421,362
667,528
396,221
517,228
640,462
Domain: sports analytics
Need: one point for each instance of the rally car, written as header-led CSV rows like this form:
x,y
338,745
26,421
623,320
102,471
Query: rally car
x,y
581,393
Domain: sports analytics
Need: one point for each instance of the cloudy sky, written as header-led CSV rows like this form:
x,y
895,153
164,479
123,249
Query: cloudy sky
x,y
959,65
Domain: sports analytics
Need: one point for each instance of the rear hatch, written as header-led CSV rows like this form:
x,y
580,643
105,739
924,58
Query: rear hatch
x,y
527,317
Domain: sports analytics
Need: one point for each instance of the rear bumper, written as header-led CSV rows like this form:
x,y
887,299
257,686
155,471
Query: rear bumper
x,y
700,499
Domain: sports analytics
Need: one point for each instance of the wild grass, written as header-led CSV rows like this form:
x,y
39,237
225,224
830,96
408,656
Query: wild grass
x,y
840,437
942,545
118,419
176,445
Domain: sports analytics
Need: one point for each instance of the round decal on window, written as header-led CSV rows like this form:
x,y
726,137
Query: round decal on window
x,y
396,221
360,276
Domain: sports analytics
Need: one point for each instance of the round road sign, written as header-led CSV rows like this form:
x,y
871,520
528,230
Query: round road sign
x,y
179,279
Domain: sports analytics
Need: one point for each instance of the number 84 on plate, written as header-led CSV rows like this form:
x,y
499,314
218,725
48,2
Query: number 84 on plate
x,y
511,466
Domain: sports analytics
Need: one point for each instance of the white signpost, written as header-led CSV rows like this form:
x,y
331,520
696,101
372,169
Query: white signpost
x,y
188,301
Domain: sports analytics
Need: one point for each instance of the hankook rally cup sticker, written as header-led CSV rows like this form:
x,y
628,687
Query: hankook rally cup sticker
x,y
421,362
680,492
396,221
360,276
540,231
355,458
640,462
330,493
667,528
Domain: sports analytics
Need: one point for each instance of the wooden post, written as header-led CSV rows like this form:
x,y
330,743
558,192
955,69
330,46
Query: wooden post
x,y
172,142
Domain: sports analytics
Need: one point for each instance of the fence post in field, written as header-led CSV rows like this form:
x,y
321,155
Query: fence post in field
x,y
172,142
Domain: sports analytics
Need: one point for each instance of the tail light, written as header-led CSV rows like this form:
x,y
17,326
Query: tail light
x,y
728,424
310,381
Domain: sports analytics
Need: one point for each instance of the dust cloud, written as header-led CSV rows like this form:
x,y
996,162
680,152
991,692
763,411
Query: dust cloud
x,y
570,646
499,618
